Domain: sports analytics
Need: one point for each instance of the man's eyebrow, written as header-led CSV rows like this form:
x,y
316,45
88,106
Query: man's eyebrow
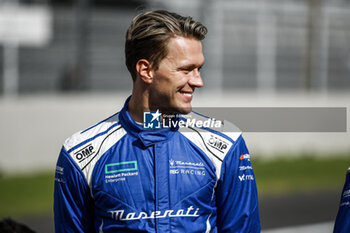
x,y
191,66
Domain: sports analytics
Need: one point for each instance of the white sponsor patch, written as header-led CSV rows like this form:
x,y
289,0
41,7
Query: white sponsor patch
x,y
245,177
346,193
345,203
59,170
243,168
186,168
218,143
120,216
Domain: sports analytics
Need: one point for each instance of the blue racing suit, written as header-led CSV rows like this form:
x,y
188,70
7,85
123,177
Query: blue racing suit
x,y
342,223
118,176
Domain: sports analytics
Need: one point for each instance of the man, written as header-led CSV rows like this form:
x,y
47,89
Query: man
x,y
342,223
121,176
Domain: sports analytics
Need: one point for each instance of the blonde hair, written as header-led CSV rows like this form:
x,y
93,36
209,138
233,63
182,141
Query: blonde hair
x,y
149,33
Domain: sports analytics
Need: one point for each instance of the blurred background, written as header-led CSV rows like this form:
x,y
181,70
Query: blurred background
x,y
62,70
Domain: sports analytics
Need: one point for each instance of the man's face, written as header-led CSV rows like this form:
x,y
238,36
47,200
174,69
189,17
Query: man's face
x,y
177,76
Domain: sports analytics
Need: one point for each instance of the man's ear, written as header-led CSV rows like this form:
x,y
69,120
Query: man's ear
x,y
144,70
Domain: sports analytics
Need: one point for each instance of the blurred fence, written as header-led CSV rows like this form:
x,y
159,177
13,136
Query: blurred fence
x,y
255,50
257,45
274,45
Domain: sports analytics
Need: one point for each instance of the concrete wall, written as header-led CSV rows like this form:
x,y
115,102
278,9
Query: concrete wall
x,y
33,128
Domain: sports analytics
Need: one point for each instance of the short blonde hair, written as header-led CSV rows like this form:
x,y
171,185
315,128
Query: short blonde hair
x,y
149,33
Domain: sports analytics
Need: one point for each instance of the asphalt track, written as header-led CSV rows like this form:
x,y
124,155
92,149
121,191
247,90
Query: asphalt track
x,y
326,227
307,213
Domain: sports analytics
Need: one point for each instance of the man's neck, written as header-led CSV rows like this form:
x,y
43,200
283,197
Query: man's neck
x,y
138,104
136,108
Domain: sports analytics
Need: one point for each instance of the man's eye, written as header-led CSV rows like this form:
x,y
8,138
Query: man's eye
x,y
186,70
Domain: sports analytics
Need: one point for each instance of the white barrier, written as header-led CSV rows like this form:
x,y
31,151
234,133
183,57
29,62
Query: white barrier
x,y
33,128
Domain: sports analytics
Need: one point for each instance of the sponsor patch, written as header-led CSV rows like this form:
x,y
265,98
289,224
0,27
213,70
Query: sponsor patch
x,y
245,156
245,177
119,215
59,174
115,172
346,193
218,143
60,180
59,170
84,153
186,168
344,204
121,167
243,168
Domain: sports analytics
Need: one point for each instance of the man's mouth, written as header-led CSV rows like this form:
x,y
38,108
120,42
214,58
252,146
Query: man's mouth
x,y
187,94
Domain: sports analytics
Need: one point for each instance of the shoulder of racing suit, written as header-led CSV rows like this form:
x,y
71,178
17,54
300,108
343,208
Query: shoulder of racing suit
x,y
86,147
215,138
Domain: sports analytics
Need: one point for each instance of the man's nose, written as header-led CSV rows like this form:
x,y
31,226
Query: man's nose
x,y
196,79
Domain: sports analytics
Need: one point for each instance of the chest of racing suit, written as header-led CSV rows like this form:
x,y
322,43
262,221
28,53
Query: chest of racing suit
x,y
119,177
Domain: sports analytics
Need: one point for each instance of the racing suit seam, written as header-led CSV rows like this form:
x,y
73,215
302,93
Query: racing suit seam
x,y
110,195
103,121
205,144
98,151
83,142
76,167
229,153
191,195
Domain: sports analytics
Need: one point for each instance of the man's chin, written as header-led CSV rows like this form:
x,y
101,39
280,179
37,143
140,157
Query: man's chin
x,y
185,110
178,110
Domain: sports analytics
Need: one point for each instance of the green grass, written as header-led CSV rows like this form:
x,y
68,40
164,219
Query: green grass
x,y
33,194
26,195
301,174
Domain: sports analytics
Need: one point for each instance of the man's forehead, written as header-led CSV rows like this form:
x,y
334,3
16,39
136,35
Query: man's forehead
x,y
184,42
185,48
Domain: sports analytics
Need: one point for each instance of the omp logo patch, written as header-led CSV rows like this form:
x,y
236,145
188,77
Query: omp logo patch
x,y
217,143
84,153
